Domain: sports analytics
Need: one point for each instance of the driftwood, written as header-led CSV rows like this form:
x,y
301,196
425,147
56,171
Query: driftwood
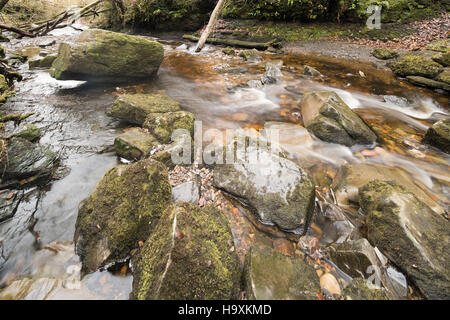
x,y
45,27
210,26
234,43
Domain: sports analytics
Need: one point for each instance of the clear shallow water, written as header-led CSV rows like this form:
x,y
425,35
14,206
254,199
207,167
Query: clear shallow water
x,y
73,116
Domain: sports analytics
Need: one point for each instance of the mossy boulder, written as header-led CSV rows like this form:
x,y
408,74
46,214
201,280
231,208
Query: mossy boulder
x,y
190,256
134,108
123,210
352,177
229,51
179,152
30,133
162,125
360,289
444,77
443,58
45,62
429,83
416,66
327,116
276,188
252,55
438,135
271,275
28,161
100,55
384,54
134,144
410,234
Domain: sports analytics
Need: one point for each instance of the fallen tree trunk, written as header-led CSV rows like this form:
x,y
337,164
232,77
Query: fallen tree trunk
x,y
17,30
234,43
210,26
3,3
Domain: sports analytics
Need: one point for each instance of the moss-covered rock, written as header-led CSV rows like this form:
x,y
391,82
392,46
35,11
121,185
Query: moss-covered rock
x,y
429,83
45,62
100,55
162,125
384,54
134,144
135,108
123,210
280,192
189,256
438,135
410,234
179,152
327,116
443,58
444,77
3,84
271,275
30,133
360,289
252,55
29,161
229,51
352,177
416,66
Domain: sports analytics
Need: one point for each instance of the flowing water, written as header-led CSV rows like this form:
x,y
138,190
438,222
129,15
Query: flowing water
x,y
36,242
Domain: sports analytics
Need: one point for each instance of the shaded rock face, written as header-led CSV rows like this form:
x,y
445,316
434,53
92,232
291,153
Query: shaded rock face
x,y
280,192
123,210
134,144
359,289
189,256
28,161
410,234
100,55
161,125
438,135
443,59
352,177
8,205
135,108
330,119
181,150
416,66
45,62
270,275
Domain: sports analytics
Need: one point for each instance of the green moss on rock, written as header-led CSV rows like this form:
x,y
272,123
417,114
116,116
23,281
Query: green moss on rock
x,y
429,83
250,55
135,108
416,66
444,77
190,256
443,58
30,133
45,62
162,125
3,84
123,210
134,144
384,54
438,135
359,289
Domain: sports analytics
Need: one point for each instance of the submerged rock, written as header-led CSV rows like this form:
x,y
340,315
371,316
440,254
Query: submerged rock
x,y
135,108
162,125
189,256
279,191
123,210
134,144
270,275
438,135
430,83
310,71
416,66
327,116
352,177
100,55
27,160
360,289
410,234
384,54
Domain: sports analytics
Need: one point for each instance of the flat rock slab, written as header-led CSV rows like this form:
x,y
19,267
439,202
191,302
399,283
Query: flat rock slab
x,y
134,144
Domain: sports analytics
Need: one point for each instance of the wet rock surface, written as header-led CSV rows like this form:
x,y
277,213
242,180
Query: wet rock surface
x,y
100,55
359,289
134,144
438,135
190,255
123,210
161,125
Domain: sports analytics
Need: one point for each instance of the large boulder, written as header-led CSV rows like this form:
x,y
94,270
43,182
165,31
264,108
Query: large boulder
x,y
189,256
327,116
279,191
123,210
410,234
28,161
162,125
416,66
438,135
100,55
352,177
135,108
271,275
134,144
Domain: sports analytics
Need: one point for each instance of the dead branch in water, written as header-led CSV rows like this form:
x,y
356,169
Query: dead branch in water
x,y
210,26
234,43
